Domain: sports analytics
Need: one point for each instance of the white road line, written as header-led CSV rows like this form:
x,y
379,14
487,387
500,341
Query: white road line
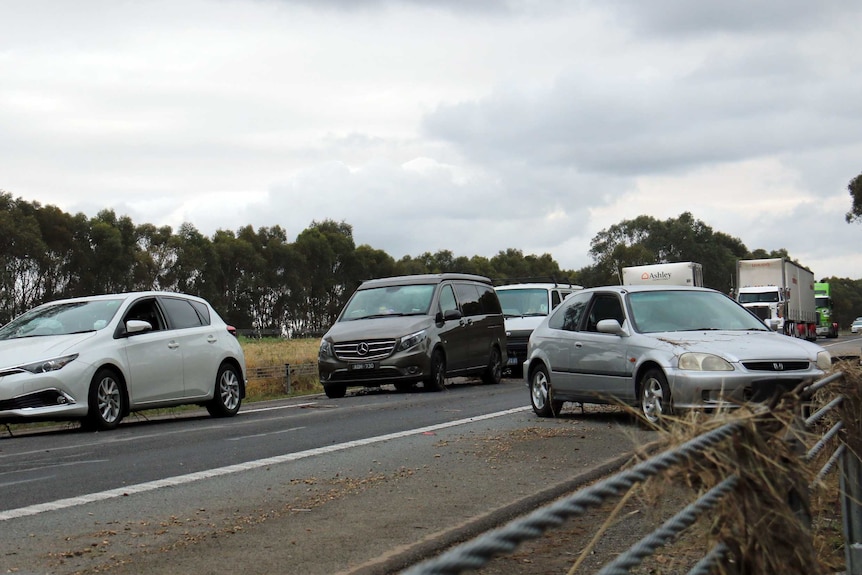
x,y
192,477
244,437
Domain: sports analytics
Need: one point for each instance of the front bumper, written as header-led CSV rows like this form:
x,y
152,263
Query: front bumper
x,y
413,365
699,390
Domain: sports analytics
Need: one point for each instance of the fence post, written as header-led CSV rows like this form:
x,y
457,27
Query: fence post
x,y
851,508
287,378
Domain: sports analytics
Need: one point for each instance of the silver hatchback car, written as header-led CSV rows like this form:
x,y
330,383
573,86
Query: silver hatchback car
x,y
661,349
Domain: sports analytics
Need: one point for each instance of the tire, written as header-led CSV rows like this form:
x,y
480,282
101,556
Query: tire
x,y
654,397
106,401
335,391
436,380
542,394
494,371
227,394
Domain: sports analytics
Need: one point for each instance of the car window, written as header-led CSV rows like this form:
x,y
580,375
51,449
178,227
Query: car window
x,y
447,299
203,311
62,318
676,310
555,299
605,306
524,301
468,295
488,301
568,315
181,313
146,310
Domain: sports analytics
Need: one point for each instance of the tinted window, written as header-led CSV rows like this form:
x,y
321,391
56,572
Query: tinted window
x,y
568,315
489,302
468,295
146,310
559,296
203,311
181,312
605,306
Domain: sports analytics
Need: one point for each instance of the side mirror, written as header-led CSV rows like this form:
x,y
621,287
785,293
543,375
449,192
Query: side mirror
x,y
610,326
450,314
137,326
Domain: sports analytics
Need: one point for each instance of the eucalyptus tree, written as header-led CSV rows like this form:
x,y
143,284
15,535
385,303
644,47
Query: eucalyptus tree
x,y
331,272
646,240
156,258
21,256
855,189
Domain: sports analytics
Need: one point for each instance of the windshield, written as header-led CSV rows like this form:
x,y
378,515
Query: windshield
x,y
526,301
759,297
676,310
62,319
389,301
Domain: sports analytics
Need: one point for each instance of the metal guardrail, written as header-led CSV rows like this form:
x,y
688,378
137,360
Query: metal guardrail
x,y
477,553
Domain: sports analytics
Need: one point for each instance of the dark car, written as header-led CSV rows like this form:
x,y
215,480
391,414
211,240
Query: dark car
x,y
409,329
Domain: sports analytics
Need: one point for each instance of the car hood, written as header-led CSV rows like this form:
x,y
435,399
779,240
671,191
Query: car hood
x,y
25,350
741,345
390,327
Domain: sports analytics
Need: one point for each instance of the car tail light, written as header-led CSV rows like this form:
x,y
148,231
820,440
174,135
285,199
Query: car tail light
x,y
232,330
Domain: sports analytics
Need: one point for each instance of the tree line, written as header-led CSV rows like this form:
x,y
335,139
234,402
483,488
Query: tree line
x,y
260,281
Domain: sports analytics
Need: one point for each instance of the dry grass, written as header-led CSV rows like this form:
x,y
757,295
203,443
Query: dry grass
x,y
780,518
271,353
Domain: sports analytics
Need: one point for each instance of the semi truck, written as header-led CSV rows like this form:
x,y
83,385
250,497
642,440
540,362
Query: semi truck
x,y
674,273
781,293
826,324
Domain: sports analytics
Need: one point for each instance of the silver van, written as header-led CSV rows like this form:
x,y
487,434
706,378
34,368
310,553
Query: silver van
x,y
415,329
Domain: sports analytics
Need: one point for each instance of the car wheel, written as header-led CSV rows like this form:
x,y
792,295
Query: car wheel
x,y
542,395
494,371
654,396
107,399
226,396
334,390
437,377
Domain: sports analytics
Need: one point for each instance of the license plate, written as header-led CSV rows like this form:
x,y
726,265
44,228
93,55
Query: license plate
x,y
512,361
365,365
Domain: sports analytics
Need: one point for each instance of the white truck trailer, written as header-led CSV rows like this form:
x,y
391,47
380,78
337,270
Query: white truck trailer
x,y
675,273
779,292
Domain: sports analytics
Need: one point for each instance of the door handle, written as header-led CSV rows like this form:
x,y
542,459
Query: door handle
x,y
173,345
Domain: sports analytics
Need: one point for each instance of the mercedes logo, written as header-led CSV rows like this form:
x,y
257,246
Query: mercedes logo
x,y
362,349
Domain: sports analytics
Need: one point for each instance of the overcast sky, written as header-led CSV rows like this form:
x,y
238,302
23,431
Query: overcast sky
x,y
465,125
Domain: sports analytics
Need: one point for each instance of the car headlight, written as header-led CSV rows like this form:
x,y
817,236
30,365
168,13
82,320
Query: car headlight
x,y
703,362
325,349
411,340
48,365
824,360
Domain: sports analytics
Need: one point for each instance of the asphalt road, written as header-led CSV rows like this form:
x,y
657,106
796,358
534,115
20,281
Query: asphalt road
x,y
301,486
367,484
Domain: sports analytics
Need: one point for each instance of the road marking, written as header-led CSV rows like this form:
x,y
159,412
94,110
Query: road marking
x,y
244,437
218,472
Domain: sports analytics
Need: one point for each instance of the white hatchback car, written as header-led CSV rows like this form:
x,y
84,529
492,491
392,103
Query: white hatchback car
x,y
96,359
856,326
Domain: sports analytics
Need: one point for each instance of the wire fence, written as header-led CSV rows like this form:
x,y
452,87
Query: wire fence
x,y
747,467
